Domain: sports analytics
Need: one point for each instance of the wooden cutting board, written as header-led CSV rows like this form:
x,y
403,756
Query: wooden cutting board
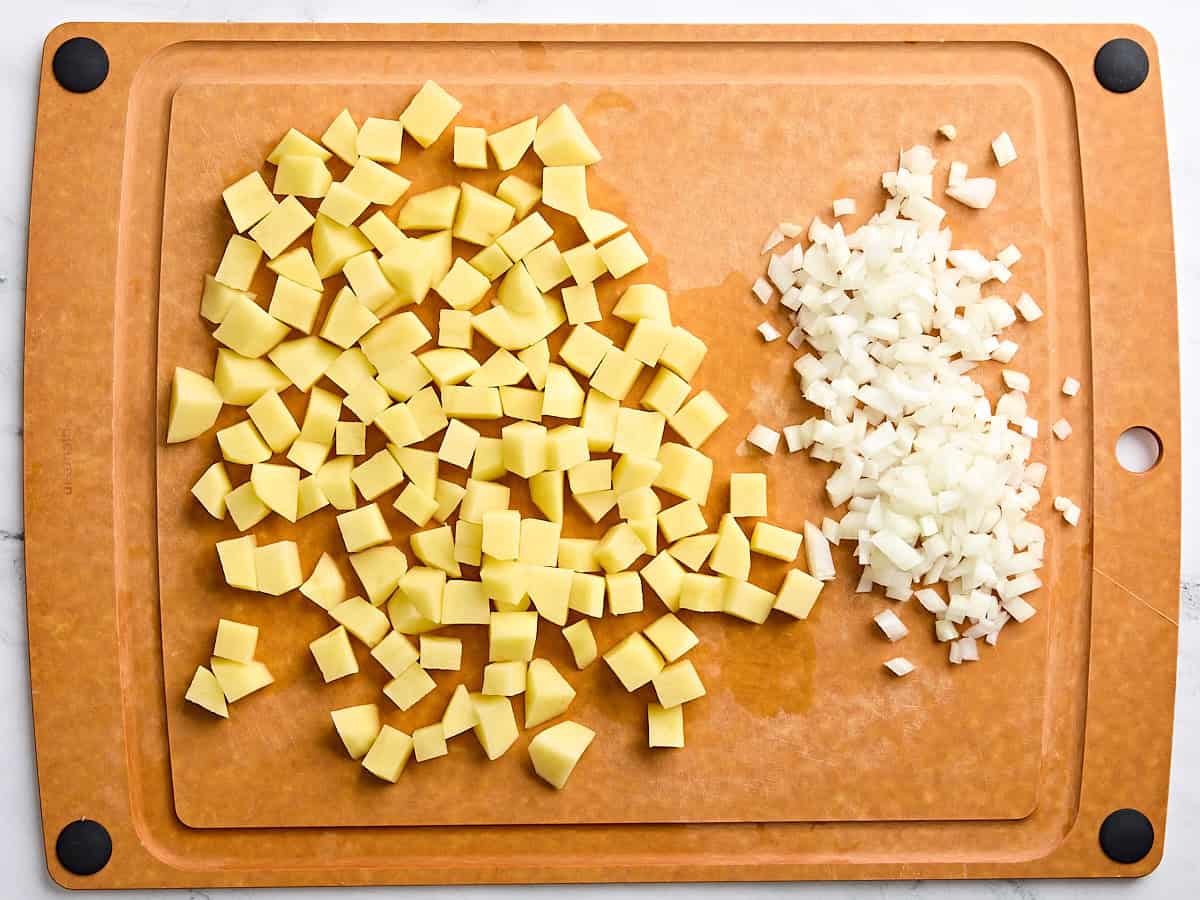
x,y
806,760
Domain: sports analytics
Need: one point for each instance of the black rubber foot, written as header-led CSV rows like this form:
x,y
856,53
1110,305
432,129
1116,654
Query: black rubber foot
x,y
80,65
1121,65
83,847
1126,836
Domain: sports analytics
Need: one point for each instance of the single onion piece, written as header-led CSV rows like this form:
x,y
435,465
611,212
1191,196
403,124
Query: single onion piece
x,y
762,290
899,666
891,626
1003,149
968,649
1062,429
764,438
774,239
949,132
1070,386
768,332
820,558
977,193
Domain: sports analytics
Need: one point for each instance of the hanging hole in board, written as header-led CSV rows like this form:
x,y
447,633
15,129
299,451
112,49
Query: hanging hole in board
x,y
1138,449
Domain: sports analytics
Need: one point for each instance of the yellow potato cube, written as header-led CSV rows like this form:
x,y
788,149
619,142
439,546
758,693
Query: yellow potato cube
x,y
798,594
599,226
633,471
648,340
378,184
429,742
454,328
350,439
504,679
377,475
582,642
686,473
665,393
216,298
430,418
556,751
488,464
358,727
591,476
205,692
248,200
421,466
644,301
546,492
425,589
278,487
566,447
302,176
681,520
362,620
511,636
491,262
195,404
343,205
381,231
539,542
550,591
672,638
677,684
240,444
665,577
395,653
464,602
521,403
701,593
447,496
240,679
443,653
581,303
470,147
283,225
348,319
520,240
638,504
351,367
398,425
623,255
435,547
430,211
448,365
746,601
565,188
245,508
441,243
698,419
333,244
304,360
748,494
238,263
518,292
481,217
482,497
634,661
429,113
404,377
619,548
524,449
409,268
342,137
249,329
624,593
616,373
564,396
297,265
638,432
235,641
333,478
468,542
585,263
536,360
363,527
389,754
647,532
460,713
547,693
379,570
666,725
578,554
496,726
587,594
501,369
310,497
599,421
458,444
584,349
683,353
370,284
212,488
506,583
463,287
405,618
334,655
380,139
296,143
501,534
273,421
465,402
546,265
731,555
597,504
509,144
409,687
320,419
561,141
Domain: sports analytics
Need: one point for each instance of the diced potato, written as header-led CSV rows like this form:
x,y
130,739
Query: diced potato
x,y
395,653
460,713
619,548
561,141
376,183
245,508
320,419
429,742
242,445
448,365
536,360
350,439
547,693
564,396
333,478
565,188
648,340
358,727
599,421
405,618
398,425
524,448
464,602
509,144
425,588
305,360
546,265
481,217
240,679
504,679
363,527
441,244
678,683
462,401
447,496
237,562
310,497
647,532
521,403
195,404
587,594
502,533
468,542
590,476
616,374
409,687
546,492
235,640
644,301
638,504
584,349
731,555
430,418
454,329
443,653
505,582
382,231
584,263
205,692
500,369
217,298
342,137
557,750
686,472
458,444
389,754
297,265
488,464
633,471
281,226
302,176
333,244
496,726
581,304
638,432
364,621
665,577
596,504
624,593
798,594
212,488
435,547
369,283
404,377
470,147
278,487
325,587
665,393
681,520
429,112
634,661
748,494
698,419
491,262
521,239
599,225
483,497
518,292
379,570
273,421
409,267
701,593
248,200
582,642
623,255
775,542
334,655
380,139
550,590
539,542
683,353
666,725
511,636
296,143
248,329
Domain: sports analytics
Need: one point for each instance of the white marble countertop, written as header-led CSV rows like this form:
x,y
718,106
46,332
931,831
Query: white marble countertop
x,y
1176,26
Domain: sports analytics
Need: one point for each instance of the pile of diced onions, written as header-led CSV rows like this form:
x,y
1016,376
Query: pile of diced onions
x,y
935,481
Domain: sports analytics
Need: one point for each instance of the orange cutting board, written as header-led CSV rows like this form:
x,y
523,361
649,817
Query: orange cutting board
x,y
805,760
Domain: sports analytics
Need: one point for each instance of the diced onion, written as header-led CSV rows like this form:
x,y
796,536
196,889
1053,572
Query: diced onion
x,y
1003,149
899,666
768,331
949,132
891,626
1070,386
1061,429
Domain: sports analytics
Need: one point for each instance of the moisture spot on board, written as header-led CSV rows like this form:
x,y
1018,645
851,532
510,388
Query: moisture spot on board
x,y
607,101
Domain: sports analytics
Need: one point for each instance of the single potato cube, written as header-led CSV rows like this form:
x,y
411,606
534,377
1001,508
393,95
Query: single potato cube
x,y
616,374
458,444
511,636
388,754
429,113
747,494
678,683
547,693
278,487
274,421
297,265
701,593
528,234
504,679
521,403
798,594
538,545
468,542
584,263
556,751
235,641
502,534
506,583
509,144
644,301
634,661
296,143
237,562
698,419
518,292
409,687
362,620
482,497
693,551
405,618
377,475
321,417
310,497
683,353
350,439
561,141
481,217
460,713
524,449
681,520
731,555
454,329
565,188
584,349
351,367
464,402
358,727
463,287
245,508
429,742
599,225
566,447
638,432
369,283
281,226
238,264
447,496
195,404
421,466
206,693
581,304
624,593
672,638
470,147
217,298
248,200
686,473
425,588
342,136
564,396
500,370
430,418
519,194
491,262
647,532
302,176
496,727
212,488
363,527
665,577
409,267
380,140
597,504
591,476
582,642
334,655
546,266
746,601
550,590
381,185
333,244
587,594
333,478
347,321
546,492
379,570
395,653
633,471
599,421
775,542
648,340
622,255
441,653
277,568
666,725
240,679
619,548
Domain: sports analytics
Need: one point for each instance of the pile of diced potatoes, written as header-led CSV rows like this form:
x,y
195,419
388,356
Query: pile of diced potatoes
x,y
368,363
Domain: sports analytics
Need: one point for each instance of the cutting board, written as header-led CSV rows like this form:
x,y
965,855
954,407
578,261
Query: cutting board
x,y
806,759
